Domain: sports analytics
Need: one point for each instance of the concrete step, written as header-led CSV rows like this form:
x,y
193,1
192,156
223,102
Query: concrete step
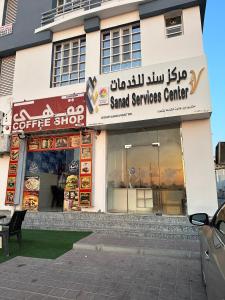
x,y
150,218
148,226
140,246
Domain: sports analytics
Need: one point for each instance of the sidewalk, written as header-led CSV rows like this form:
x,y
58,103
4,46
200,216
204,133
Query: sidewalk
x,y
113,275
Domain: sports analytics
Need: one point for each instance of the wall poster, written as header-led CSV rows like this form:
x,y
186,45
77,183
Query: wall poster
x,y
76,177
13,167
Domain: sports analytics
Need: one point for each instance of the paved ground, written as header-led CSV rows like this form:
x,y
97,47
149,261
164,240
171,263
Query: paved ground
x,y
97,275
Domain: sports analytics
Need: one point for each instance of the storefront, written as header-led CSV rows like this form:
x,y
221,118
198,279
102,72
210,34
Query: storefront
x,y
145,171
130,144
156,120
56,168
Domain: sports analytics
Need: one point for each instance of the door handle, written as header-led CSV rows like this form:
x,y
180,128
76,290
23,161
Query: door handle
x,y
207,257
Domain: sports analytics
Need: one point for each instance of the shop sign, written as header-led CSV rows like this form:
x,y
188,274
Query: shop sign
x,y
49,114
171,89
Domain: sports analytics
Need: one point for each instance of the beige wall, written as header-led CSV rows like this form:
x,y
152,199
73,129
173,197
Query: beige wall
x,y
156,48
199,167
120,20
4,163
2,3
33,66
5,106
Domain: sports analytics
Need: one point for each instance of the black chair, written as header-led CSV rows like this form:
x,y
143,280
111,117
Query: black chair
x,y
13,227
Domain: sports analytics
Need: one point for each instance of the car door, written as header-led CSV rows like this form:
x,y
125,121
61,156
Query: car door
x,y
213,256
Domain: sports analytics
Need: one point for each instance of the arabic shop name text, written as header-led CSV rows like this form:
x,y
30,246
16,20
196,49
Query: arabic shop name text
x,y
140,80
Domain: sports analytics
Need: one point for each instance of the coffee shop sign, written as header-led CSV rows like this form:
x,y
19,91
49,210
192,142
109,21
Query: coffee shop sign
x,y
141,80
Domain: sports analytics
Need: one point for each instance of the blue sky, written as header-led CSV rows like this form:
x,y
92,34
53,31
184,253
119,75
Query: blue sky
x,y
214,44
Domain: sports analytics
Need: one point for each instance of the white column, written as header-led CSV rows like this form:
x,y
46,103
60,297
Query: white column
x,y
99,172
199,167
93,53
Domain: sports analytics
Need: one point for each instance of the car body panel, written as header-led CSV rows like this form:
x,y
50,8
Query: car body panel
x,y
212,248
213,263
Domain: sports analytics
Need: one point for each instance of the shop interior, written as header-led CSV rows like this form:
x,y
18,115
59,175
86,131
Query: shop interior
x,y
46,174
145,172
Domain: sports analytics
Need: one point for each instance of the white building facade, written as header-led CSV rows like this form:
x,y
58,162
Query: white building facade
x,y
111,110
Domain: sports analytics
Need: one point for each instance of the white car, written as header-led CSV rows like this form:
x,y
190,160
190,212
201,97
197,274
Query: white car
x,y
212,241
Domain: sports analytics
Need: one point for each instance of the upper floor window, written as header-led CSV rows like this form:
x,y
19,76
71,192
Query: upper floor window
x,y
69,62
121,48
7,67
174,24
63,6
10,12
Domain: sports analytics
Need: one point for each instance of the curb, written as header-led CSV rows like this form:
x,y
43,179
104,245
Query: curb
x,y
138,251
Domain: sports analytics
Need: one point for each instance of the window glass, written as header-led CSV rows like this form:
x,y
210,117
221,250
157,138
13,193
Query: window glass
x,y
143,177
121,48
220,220
69,57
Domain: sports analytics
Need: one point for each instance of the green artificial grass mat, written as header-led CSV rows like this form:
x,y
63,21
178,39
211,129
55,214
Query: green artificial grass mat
x,y
42,243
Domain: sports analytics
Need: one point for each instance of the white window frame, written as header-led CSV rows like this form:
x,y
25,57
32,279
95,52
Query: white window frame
x,y
109,38
69,59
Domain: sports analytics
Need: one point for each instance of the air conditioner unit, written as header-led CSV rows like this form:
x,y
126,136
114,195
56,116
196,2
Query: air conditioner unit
x,y
174,30
4,143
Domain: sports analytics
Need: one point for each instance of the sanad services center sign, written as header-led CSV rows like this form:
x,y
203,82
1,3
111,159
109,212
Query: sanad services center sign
x,y
172,89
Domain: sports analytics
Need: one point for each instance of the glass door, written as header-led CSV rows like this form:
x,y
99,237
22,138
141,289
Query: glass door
x,y
145,172
143,178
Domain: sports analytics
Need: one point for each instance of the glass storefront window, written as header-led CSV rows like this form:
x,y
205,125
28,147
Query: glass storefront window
x,y
58,174
51,169
145,171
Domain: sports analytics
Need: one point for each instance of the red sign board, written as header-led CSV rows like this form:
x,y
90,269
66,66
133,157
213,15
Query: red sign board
x,y
49,114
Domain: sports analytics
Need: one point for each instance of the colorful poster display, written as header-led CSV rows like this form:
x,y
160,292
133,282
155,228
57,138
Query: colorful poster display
x,y
12,173
78,180
86,169
30,200
31,193
71,193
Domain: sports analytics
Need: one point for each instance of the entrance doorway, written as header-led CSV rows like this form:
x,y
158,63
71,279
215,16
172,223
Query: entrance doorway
x,y
143,178
145,172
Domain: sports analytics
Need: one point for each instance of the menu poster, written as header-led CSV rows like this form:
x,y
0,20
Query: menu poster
x,y
71,200
30,200
61,142
14,155
71,183
47,143
32,183
9,197
86,138
15,142
74,141
85,182
85,199
33,144
13,167
86,152
44,143
11,183
85,167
